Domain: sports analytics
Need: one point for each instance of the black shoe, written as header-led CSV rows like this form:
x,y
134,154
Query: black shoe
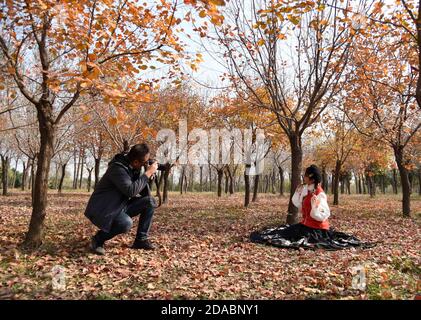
x,y
96,247
143,244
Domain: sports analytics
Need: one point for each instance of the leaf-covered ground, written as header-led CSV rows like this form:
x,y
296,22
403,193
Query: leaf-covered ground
x,y
204,252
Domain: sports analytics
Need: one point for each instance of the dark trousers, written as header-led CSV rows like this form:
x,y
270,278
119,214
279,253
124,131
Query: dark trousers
x,y
144,207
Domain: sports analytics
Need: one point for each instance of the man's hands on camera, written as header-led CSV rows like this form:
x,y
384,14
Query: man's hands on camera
x,y
151,169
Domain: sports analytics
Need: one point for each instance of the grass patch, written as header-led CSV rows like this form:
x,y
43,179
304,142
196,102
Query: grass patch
x,y
104,296
406,265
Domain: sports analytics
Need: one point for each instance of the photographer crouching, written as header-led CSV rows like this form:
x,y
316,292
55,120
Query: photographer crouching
x,y
121,194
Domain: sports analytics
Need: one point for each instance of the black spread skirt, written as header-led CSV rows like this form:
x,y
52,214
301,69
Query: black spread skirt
x,y
297,236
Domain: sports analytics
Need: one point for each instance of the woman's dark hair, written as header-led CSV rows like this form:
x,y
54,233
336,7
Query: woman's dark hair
x,y
313,172
138,152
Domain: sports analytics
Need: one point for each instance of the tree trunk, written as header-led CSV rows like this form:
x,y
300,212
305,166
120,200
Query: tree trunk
x,y
74,169
255,187
34,236
172,183
13,182
371,185
63,173
191,180
364,183
395,181
32,180
30,175
158,183
181,180
296,166
24,174
282,181
368,184
126,146
406,191
89,178
231,181
358,183
201,178
185,180
267,179
97,165
55,182
411,179
336,182
383,183
419,181
246,186
348,184
5,162
273,181
357,188
81,168
332,186
220,173
165,187
210,177
226,182
79,161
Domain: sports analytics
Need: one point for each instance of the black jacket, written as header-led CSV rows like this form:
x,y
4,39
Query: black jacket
x,y
113,191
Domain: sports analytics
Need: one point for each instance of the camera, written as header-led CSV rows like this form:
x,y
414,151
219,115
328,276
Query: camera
x,y
161,167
